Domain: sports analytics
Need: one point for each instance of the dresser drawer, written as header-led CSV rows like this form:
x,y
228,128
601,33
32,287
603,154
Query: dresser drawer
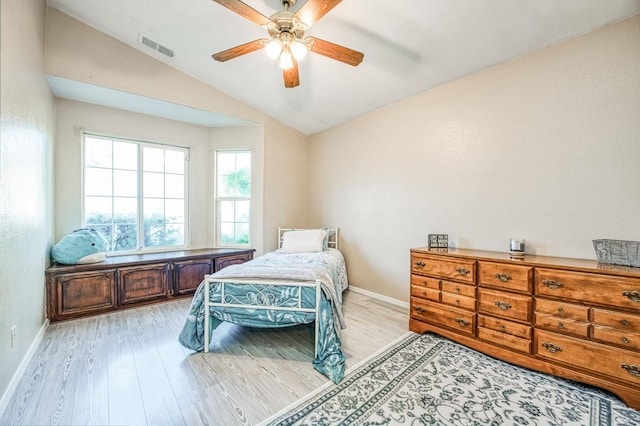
x,y
562,309
425,293
505,326
591,288
562,325
626,339
621,320
456,269
457,319
600,359
458,301
504,304
433,283
457,288
507,276
504,339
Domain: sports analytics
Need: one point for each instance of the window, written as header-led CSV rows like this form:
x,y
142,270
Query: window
x,y
233,197
135,193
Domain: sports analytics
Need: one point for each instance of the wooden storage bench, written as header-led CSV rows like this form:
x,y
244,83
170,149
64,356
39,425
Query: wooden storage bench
x,y
128,281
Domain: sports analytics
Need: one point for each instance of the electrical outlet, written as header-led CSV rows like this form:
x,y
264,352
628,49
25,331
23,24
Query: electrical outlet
x,y
13,335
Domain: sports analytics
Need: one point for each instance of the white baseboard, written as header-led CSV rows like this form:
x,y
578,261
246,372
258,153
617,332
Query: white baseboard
x,y
381,297
22,368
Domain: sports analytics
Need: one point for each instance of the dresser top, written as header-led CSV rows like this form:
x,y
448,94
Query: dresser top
x,y
585,265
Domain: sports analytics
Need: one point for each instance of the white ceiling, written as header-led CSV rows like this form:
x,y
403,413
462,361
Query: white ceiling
x,y
409,46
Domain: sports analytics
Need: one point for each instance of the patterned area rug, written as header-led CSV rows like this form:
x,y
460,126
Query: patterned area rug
x,y
427,379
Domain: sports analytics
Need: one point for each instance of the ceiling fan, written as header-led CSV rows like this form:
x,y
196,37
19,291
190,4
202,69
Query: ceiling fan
x,y
288,43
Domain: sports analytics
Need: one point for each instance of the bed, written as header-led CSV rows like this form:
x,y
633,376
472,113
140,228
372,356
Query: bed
x,y
299,283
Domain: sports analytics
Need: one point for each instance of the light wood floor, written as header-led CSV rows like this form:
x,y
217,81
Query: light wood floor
x,y
127,368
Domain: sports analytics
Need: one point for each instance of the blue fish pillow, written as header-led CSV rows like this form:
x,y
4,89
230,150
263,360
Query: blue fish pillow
x,y
83,245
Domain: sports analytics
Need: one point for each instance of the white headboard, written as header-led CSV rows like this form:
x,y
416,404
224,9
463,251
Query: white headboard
x,y
332,233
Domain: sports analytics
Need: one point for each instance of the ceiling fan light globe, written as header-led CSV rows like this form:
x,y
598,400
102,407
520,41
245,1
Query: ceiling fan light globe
x,y
286,60
273,48
298,49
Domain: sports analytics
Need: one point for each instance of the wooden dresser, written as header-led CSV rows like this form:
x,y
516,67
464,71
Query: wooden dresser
x,y
128,281
572,318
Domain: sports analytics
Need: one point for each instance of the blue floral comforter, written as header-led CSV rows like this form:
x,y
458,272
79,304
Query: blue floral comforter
x,y
328,267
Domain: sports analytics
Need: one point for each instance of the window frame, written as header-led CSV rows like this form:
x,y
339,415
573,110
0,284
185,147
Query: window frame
x,y
217,200
140,144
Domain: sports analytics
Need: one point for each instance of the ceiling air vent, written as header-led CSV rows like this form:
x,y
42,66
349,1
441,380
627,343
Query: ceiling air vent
x,y
156,46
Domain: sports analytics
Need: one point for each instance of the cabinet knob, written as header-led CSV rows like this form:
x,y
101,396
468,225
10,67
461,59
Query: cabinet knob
x,y
462,323
502,327
625,322
462,271
503,306
634,296
561,310
503,277
624,340
634,370
553,284
560,325
552,348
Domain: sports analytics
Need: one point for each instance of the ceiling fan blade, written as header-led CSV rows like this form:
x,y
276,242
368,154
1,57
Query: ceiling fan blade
x,y
313,10
291,77
243,49
245,10
334,51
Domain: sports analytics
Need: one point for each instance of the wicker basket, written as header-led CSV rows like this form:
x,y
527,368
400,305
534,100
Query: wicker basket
x,y
618,252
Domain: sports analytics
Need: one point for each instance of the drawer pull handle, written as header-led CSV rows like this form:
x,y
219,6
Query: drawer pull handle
x,y
625,340
503,277
560,325
502,327
553,348
462,323
462,271
561,310
419,309
634,370
457,289
634,296
420,265
503,306
553,284
625,322
424,293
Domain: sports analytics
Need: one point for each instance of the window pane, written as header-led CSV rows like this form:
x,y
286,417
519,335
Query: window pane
x,y
153,184
97,181
97,152
227,211
153,209
125,155
226,232
97,210
242,211
174,186
125,237
243,161
154,234
125,183
174,235
226,163
125,210
174,162
153,159
174,211
242,233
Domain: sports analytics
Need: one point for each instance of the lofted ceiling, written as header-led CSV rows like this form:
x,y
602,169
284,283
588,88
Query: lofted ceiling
x,y
409,46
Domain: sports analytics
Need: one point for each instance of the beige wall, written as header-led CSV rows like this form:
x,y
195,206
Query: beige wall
x,y
26,190
545,148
